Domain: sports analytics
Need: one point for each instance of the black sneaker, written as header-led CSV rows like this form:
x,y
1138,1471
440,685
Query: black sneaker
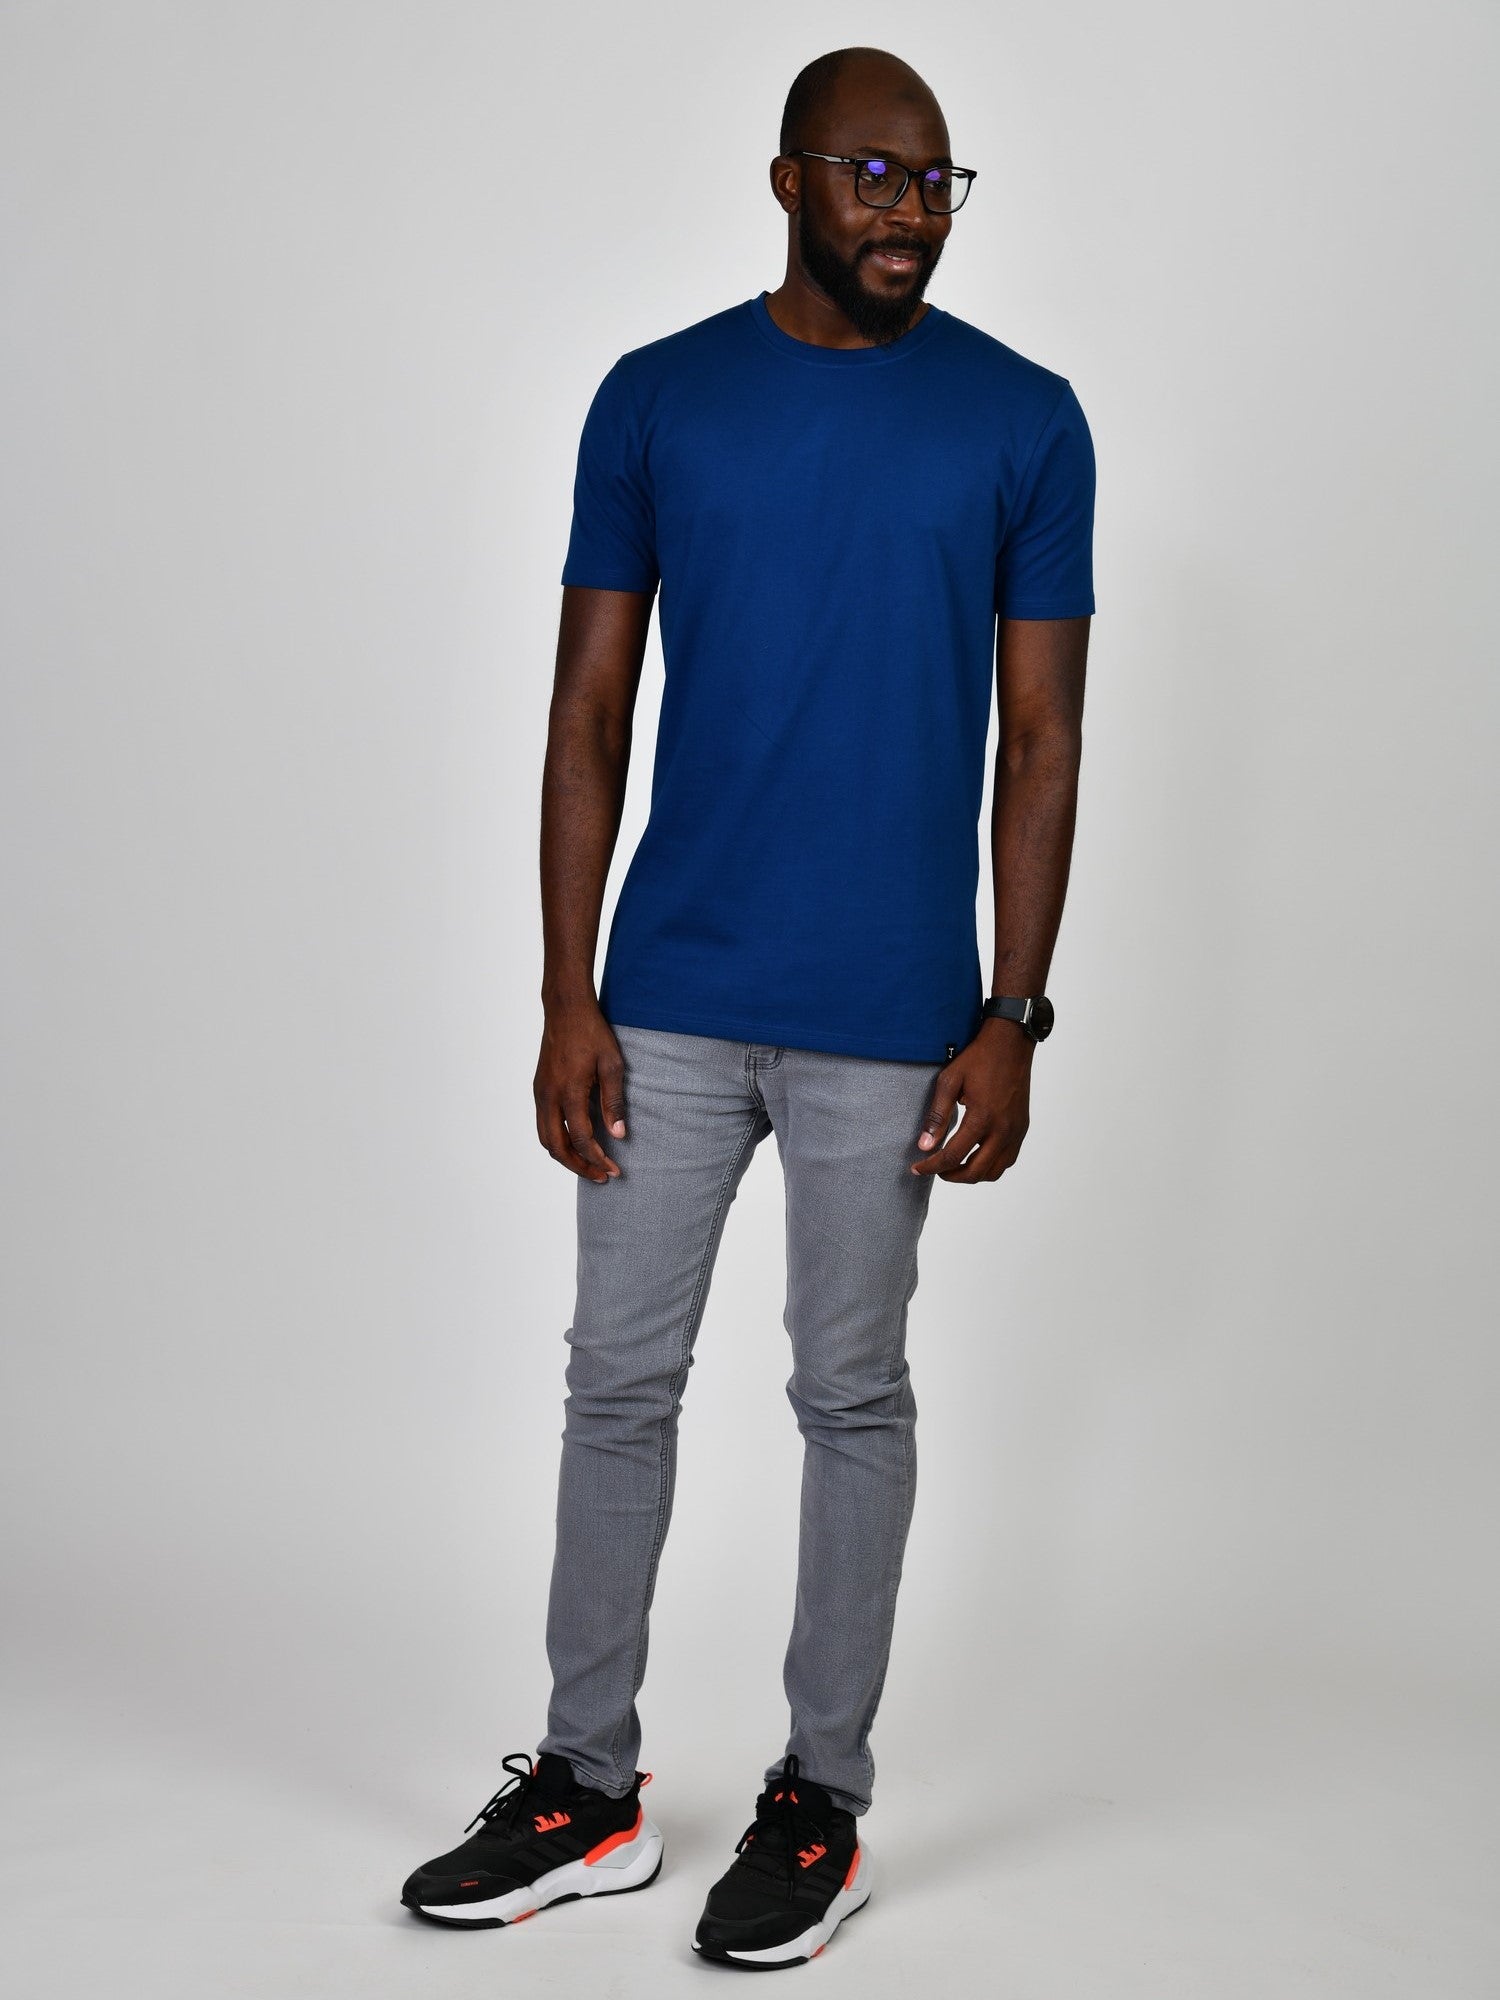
x,y
801,1869
544,1838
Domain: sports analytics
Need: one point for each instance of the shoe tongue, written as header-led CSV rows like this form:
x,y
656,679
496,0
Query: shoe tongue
x,y
810,1797
554,1776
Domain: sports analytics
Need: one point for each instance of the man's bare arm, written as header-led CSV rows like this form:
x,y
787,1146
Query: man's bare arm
x,y
1039,665
600,647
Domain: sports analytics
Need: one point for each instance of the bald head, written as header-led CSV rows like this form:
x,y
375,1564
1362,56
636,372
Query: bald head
x,y
846,78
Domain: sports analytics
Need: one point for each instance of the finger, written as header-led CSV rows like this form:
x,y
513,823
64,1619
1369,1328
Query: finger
x,y
985,1163
967,1135
940,1111
612,1094
581,1134
554,1136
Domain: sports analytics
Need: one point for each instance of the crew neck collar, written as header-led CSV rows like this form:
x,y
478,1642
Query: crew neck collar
x,y
842,357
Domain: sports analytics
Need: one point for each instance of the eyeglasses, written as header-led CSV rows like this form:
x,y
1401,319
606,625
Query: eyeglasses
x,y
880,183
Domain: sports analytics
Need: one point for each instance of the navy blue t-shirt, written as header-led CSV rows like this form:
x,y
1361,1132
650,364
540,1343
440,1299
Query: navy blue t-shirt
x,y
833,532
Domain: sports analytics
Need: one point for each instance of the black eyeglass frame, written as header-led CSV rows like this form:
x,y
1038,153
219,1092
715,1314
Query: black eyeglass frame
x,y
968,174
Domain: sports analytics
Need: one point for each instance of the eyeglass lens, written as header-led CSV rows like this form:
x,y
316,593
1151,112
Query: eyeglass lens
x,y
881,183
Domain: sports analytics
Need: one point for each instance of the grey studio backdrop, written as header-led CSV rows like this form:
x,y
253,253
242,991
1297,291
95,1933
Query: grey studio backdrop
x,y
1194,1681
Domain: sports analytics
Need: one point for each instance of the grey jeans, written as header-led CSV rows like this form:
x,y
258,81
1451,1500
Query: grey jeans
x,y
696,1107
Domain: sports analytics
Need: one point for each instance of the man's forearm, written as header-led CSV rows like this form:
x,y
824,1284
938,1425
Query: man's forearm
x,y
1035,807
583,796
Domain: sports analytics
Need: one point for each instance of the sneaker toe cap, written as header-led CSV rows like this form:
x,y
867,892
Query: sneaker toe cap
x,y
436,1886
758,1933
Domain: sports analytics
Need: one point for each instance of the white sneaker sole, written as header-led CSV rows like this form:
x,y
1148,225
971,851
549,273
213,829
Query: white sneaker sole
x,y
629,1865
853,1896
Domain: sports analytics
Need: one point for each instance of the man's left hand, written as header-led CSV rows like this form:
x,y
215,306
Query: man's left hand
x,y
991,1078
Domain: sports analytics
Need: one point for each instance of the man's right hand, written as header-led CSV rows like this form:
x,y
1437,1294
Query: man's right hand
x,y
579,1051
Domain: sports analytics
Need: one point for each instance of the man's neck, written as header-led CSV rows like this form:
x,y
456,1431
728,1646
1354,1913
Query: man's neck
x,y
808,315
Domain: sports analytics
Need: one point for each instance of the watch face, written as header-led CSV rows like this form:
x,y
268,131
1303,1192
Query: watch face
x,y
1041,1018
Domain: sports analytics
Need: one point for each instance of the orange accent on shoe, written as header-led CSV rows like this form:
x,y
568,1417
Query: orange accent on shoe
x,y
523,1916
645,1779
813,1954
808,1855
550,1822
853,1866
616,1839
470,1885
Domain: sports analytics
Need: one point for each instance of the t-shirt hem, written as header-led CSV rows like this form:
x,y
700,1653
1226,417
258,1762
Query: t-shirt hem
x,y
595,579
1078,607
780,1034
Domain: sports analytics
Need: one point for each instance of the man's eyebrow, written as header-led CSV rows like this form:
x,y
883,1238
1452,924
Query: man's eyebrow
x,y
889,153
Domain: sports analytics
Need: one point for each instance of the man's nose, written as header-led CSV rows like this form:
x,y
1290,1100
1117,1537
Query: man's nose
x,y
911,202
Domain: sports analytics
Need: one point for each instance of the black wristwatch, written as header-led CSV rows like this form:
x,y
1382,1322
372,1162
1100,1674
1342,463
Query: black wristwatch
x,y
1034,1015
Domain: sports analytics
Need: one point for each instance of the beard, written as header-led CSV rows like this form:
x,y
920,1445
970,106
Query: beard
x,y
874,317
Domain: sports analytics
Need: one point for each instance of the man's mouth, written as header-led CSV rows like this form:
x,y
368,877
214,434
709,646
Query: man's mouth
x,y
900,258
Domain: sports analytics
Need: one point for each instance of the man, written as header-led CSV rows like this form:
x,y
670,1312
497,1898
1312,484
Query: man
x,y
838,489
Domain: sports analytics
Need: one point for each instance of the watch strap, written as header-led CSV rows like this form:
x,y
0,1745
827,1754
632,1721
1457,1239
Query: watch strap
x,y
1006,1007
1033,1013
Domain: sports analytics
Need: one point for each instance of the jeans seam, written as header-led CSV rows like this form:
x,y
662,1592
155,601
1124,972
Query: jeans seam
x,y
872,1709
679,1382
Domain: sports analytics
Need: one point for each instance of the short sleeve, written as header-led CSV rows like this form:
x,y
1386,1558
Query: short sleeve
x,y
612,545
1045,565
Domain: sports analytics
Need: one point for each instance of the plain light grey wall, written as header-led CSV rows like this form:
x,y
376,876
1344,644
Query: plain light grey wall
x,y
304,307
